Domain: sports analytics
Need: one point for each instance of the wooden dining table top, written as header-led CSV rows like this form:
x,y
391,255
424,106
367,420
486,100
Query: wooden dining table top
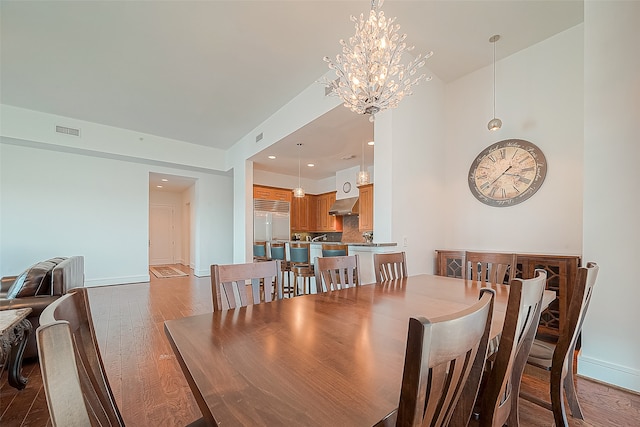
x,y
334,358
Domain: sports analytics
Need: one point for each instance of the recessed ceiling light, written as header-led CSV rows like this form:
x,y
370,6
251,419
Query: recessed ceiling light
x,y
165,180
159,186
272,157
310,165
371,143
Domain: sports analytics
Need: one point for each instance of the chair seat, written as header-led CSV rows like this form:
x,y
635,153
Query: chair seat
x,y
303,269
541,354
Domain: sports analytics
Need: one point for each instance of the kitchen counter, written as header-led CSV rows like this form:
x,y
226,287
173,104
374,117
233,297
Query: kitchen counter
x,y
359,244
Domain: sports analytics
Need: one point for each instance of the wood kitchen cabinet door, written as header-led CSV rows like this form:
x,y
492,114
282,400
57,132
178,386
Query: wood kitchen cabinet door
x,y
365,215
327,222
272,193
301,214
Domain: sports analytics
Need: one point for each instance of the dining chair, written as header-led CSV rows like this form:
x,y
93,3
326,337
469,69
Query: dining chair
x,y
334,250
260,251
390,266
300,256
337,272
443,365
498,397
75,383
279,252
73,375
494,268
229,284
558,358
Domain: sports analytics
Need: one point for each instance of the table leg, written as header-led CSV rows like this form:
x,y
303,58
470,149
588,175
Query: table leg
x,y
18,339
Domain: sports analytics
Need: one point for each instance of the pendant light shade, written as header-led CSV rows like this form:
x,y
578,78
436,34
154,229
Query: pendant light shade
x,y
298,191
495,123
363,175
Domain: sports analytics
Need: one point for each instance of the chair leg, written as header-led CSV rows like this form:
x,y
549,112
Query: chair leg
x,y
572,397
557,400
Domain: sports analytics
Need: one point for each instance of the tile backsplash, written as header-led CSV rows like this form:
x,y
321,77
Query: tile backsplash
x,y
350,231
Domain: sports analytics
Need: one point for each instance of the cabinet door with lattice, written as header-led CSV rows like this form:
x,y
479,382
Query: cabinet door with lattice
x,y
561,273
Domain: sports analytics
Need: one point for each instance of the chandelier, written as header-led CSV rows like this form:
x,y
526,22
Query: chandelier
x,y
370,75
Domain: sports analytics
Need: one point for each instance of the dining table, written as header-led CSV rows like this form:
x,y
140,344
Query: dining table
x,y
325,359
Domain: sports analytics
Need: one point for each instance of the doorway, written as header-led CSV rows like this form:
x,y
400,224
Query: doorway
x,y
170,201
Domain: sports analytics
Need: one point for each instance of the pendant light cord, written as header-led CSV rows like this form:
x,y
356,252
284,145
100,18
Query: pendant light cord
x,y
494,79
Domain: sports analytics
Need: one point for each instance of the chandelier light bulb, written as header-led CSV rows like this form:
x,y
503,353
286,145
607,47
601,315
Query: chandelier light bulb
x,y
370,76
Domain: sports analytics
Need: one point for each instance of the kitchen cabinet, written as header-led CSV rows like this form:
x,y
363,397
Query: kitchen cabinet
x,y
303,213
326,222
272,193
365,216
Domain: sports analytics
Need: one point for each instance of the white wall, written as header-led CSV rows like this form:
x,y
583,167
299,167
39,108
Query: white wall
x,y
409,165
610,343
539,99
56,203
60,204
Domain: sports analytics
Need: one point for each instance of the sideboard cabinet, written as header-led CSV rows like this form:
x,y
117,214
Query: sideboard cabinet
x,y
561,272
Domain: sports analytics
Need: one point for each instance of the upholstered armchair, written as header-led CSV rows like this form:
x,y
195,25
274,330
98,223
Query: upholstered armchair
x,y
38,286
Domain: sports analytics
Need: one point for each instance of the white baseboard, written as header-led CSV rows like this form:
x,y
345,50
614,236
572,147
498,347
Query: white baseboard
x,y
202,272
600,370
116,280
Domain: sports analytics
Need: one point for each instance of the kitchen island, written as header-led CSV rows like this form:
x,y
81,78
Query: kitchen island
x,y
364,250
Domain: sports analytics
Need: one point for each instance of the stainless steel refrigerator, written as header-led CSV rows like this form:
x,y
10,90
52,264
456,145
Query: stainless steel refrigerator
x,y
271,220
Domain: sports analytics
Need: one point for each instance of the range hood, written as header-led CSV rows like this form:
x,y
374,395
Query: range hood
x,y
345,207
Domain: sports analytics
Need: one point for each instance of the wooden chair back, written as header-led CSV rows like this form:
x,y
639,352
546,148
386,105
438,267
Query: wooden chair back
x,y
75,383
334,250
499,403
443,365
494,268
337,272
260,251
390,266
229,284
559,358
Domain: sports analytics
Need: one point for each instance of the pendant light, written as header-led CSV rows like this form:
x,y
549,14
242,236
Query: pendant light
x,y
298,191
363,175
495,123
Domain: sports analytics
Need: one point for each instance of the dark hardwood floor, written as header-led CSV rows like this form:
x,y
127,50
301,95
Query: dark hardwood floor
x,y
150,388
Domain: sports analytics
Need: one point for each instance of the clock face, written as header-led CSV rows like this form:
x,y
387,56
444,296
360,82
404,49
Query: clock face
x,y
507,173
346,187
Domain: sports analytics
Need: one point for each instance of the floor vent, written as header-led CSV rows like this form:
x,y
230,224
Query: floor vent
x,y
68,131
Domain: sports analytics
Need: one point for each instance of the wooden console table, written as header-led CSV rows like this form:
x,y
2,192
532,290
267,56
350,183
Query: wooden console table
x,y
14,332
561,273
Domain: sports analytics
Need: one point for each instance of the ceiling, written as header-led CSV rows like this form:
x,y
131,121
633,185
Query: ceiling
x,y
209,72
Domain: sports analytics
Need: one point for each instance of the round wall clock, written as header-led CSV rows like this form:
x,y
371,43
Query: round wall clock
x,y
346,187
507,173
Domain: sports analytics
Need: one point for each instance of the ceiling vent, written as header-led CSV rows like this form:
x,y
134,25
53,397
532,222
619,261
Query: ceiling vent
x,y
259,137
68,131
328,90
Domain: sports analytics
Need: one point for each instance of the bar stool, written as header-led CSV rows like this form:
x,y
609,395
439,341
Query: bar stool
x,y
334,250
278,252
299,256
260,251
